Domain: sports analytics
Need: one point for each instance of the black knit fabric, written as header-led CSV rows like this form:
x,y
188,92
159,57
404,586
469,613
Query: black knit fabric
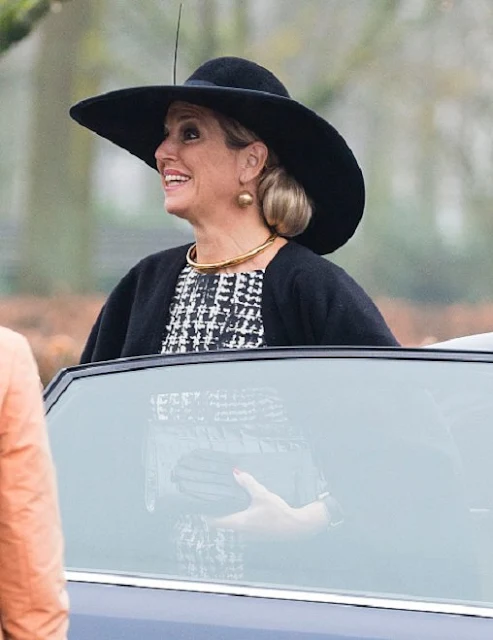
x,y
306,300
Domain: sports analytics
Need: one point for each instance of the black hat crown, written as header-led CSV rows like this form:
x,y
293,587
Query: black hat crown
x,y
237,73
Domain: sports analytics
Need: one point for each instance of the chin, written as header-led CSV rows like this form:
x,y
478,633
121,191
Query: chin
x,y
175,210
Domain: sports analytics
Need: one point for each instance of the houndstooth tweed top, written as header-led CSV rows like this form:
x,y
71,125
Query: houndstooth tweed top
x,y
209,312
215,311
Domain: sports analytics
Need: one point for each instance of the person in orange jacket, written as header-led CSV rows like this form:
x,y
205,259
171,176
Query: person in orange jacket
x,y
33,598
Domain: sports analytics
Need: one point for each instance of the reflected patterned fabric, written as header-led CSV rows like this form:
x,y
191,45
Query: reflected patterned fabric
x,y
250,423
210,312
219,311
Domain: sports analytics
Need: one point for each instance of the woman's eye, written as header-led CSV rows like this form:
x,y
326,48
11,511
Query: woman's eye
x,y
190,133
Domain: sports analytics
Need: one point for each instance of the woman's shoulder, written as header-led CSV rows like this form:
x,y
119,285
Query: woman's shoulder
x,y
299,264
11,341
150,274
152,268
136,300
338,309
161,260
12,345
17,362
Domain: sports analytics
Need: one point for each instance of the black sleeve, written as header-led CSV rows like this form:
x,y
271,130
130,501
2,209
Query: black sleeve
x,y
353,318
336,311
133,319
107,336
90,346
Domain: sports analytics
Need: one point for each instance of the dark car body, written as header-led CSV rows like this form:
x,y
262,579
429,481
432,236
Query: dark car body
x,y
402,438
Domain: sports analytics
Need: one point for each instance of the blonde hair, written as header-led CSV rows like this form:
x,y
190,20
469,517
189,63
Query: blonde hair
x,y
283,201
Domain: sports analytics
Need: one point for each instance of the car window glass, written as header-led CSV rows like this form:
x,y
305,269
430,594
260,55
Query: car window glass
x,y
146,461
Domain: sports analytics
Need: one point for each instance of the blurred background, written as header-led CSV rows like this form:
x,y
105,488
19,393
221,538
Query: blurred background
x,y
409,83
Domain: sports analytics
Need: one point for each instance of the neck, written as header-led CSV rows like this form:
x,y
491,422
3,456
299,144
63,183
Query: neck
x,y
219,243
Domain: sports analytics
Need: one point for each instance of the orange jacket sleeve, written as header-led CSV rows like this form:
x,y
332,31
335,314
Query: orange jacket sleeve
x,y
33,599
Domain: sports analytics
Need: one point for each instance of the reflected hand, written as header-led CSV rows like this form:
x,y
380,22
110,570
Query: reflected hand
x,y
269,516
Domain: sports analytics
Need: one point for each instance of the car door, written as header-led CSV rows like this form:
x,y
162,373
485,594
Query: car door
x,y
146,449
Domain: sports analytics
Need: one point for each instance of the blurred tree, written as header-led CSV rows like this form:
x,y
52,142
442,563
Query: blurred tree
x,y
242,26
377,29
208,22
58,226
141,36
428,158
19,17
408,82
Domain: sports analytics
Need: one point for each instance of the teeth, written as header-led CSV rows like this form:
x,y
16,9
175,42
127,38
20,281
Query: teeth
x,y
169,179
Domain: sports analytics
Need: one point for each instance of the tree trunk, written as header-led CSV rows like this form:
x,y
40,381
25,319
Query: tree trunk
x,y
58,229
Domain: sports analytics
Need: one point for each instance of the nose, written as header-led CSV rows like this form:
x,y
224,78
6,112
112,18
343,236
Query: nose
x,y
165,151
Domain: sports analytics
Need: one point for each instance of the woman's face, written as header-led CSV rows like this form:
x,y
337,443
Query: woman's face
x,y
199,173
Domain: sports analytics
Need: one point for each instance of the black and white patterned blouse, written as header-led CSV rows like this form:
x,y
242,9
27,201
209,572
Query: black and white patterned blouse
x,y
209,312
215,311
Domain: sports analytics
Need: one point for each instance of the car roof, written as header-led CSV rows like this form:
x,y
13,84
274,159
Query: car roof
x,y
475,342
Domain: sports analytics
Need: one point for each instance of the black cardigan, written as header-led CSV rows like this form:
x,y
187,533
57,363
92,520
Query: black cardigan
x,y
306,300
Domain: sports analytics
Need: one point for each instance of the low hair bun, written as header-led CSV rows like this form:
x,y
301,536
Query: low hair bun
x,y
285,205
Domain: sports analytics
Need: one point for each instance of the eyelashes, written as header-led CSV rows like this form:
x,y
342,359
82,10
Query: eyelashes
x,y
187,133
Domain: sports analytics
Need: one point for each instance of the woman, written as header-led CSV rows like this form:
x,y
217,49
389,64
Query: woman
x,y
33,600
266,185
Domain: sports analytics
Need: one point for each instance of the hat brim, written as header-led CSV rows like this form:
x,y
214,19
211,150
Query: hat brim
x,y
309,148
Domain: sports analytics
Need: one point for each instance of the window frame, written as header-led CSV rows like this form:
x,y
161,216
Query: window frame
x,y
271,593
65,377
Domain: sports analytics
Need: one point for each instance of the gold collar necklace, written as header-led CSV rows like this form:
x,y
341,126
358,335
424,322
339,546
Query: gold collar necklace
x,y
215,266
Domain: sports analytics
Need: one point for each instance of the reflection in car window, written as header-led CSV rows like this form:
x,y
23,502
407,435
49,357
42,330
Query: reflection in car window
x,y
146,464
195,441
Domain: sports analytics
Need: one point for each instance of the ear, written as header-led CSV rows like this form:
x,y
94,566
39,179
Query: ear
x,y
253,159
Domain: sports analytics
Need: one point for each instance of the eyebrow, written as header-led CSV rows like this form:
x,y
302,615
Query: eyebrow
x,y
189,116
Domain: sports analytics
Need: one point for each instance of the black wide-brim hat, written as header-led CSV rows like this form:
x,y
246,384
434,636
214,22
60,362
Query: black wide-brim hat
x,y
308,147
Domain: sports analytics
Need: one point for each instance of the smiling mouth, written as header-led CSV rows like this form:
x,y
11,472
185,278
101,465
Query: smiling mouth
x,y
174,180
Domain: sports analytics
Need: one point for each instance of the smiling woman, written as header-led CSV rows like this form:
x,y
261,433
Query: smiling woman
x,y
266,185
197,135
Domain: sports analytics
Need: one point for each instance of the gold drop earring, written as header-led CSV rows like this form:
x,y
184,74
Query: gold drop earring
x,y
244,199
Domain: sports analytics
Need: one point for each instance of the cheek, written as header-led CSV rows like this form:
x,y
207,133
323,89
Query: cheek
x,y
215,173
221,181
224,173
